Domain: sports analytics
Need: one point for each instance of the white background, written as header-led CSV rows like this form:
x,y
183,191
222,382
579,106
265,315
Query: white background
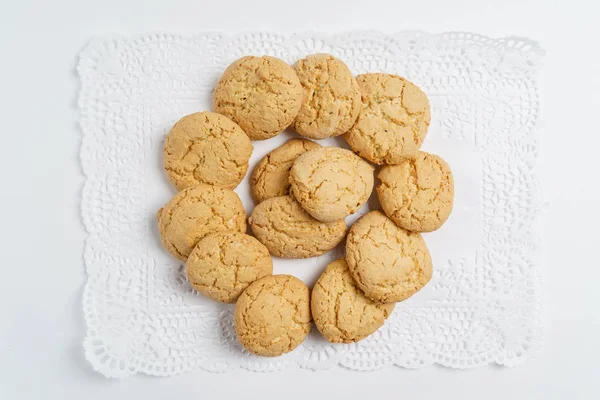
x,y
41,235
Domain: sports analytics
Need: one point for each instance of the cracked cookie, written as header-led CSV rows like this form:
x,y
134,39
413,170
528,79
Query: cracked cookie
x,y
418,193
388,263
223,264
288,231
339,308
261,94
195,212
331,97
393,121
272,316
271,175
209,148
331,183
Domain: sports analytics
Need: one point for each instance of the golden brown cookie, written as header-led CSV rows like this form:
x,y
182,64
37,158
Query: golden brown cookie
x,y
331,97
271,175
418,193
393,121
339,308
261,94
388,263
331,183
272,316
209,148
290,232
195,212
223,264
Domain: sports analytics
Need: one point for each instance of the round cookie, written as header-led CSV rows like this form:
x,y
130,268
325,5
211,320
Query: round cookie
x,y
388,263
272,316
223,264
261,94
331,97
288,231
393,121
340,310
418,193
194,213
271,175
209,148
331,183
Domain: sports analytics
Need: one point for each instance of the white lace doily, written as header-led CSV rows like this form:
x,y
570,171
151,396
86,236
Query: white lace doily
x,y
483,303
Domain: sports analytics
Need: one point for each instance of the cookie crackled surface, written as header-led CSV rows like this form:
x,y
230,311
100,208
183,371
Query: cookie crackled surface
x,y
288,231
261,94
331,97
272,316
223,264
418,193
194,213
388,263
206,147
394,119
342,313
331,183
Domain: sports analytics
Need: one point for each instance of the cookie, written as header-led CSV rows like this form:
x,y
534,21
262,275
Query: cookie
x,y
223,264
331,183
340,310
288,231
209,148
393,121
418,193
272,316
194,213
331,97
261,94
271,175
388,263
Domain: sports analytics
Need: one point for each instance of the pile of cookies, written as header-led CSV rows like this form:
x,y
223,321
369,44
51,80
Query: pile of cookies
x,y
304,191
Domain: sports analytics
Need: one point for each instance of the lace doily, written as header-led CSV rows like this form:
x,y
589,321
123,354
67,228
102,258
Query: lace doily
x,y
483,303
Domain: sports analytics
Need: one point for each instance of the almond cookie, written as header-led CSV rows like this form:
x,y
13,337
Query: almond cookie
x,y
331,183
194,213
388,263
418,193
223,264
288,231
340,310
206,147
393,121
331,97
272,316
261,94
271,175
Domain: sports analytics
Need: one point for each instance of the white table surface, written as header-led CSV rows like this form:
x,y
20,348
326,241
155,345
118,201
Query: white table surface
x,y
42,274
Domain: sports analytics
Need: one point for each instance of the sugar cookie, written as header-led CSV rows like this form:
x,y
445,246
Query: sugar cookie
x,y
339,308
331,97
288,231
261,94
388,263
223,264
418,193
393,121
331,183
272,316
195,212
209,148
